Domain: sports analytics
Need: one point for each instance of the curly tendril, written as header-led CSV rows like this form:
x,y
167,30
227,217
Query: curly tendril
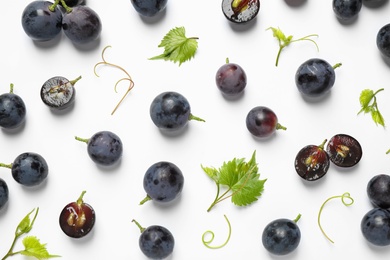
x,y
343,197
211,233
104,62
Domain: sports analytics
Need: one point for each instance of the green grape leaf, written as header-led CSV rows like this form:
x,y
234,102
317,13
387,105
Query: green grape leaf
x,y
365,99
378,118
177,47
34,248
368,104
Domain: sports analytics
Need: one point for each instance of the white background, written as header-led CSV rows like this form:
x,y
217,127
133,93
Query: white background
x,y
115,193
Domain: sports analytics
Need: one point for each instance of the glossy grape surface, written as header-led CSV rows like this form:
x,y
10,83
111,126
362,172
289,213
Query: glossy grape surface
x,y
281,236
240,11
170,111
58,93
105,148
149,8
378,191
231,79
261,121
12,110
77,219
383,40
4,193
375,226
344,150
156,242
315,77
82,25
30,169
347,9
312,162
163,181
39,23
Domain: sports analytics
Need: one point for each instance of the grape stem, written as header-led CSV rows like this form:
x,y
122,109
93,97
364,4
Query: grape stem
x,y
192,117
343,197
80,199
85,140
131,82
279,126
6,165
147,198
142,229
211,233
11,88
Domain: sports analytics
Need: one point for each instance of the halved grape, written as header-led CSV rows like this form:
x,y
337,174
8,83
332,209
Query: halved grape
x,y
344,150
240,11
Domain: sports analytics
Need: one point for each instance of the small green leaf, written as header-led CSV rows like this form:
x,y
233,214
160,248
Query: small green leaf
x,y
369,104
366,97
211,172
26,225
34,248
378,118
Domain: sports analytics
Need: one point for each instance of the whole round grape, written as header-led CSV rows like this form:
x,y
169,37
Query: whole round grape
x,y
231,79
344,150
346,9
315,77
281,236
383,40
240,11
171,111
163,182
29,169
82,25
12,110
378,191
262,122
104,147
149,8
58,92
4,193
40,21
375,226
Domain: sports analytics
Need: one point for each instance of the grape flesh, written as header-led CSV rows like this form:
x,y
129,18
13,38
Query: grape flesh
x,y
344,150
261,121
347,9
29,169
163,182
105,148
231,79
281,236
383,40
375,226
12,110
82,25
315,77
241,11
378,191
149,8
4,193
40,23
170,111
58,93
156,242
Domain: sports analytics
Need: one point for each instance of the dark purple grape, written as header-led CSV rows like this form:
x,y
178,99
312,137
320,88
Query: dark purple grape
x,y
163,182
28,169
231,79
72,3
104,148
375,226
12,110
346,9
82,25
315,77
383,40
171,111
41,21
240,11
58,92
155,242
262,122
149,8
4,193
281,236
77,218
312,162
344,150
378,191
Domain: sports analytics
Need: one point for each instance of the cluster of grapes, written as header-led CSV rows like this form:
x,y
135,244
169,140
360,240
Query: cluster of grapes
x,y
44,21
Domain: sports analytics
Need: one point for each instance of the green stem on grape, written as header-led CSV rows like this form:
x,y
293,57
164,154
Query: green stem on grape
x,y
54,5
207,242
6,165
227,60
142,229
75,80
322,145
147,198
11,88
80,199
388,151
85,140
279,126
66,7
337,65
297,218
192,117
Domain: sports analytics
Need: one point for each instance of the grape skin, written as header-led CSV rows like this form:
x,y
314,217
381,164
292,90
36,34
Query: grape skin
x,y
347,9
261,121
82,25
378,191
39,23
105,148
4,193
231,79
29,169
375,226
156,242
383,40
163,181
12,110
149,8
